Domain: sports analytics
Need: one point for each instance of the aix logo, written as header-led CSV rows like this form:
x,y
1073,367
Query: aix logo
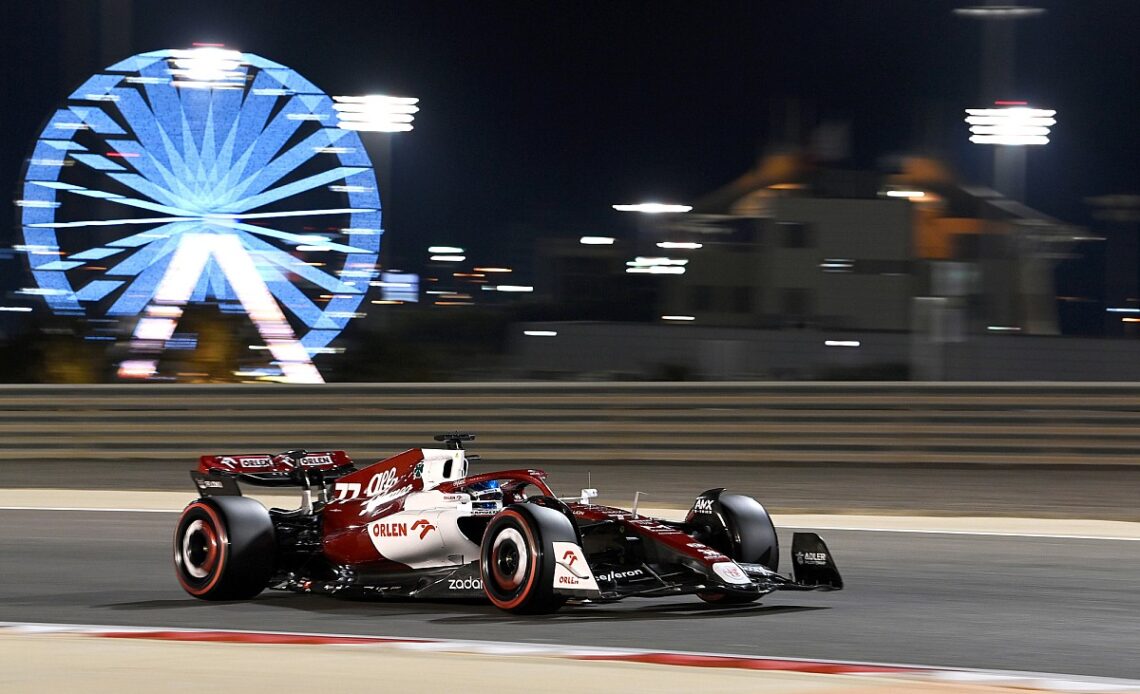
x,y
703,505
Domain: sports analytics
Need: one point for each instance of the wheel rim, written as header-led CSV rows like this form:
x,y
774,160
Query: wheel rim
x,y
509,559
199,549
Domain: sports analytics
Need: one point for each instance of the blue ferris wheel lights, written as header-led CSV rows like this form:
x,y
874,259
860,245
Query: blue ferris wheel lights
x,y
186,149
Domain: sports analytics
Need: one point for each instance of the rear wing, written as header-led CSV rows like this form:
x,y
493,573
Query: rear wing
x,y
280,470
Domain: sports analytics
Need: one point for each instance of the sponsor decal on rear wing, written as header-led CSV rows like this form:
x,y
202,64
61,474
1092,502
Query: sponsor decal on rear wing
x,y
263,462
293,468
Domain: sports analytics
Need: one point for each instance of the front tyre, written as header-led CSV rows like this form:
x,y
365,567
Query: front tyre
x,y
740,527
516,560
224,548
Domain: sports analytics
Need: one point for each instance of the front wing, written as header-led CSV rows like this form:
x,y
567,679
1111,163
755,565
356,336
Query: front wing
x,y
813,569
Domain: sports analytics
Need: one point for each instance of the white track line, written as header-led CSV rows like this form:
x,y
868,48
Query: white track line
x,y
1025,681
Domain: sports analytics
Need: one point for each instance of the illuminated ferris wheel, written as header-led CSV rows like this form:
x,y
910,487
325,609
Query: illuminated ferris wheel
x,y
203,176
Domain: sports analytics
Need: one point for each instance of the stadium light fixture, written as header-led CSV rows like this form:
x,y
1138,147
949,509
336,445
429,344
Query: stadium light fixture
x,y
376,113
208,67
1016,125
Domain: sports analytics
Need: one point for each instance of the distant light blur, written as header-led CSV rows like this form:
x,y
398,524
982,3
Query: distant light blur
x,y
653,208
998,11
656,266
596,240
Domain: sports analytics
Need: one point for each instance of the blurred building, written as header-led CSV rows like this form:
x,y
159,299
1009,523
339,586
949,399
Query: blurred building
x,y
799,270
799,262
586,278
793,245
1120,217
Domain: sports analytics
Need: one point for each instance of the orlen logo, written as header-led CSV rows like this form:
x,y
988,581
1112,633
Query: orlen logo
x,y
390,530
568,580
425,527
703,505
401,529
246,461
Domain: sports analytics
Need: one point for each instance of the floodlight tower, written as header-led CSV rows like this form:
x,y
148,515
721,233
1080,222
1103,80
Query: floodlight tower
x,y
385,115
999,20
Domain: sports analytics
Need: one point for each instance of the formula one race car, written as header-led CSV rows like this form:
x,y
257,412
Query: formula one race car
x,y
417,525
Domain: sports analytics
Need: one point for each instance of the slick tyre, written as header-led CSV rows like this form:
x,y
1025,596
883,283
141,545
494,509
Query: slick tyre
x,y
516,560
224,548
746,534
741,528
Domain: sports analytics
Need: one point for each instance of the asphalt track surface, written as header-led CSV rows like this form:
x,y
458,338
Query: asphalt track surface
x,y
1052,605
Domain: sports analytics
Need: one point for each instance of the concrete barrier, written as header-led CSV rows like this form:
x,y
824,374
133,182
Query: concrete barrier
x,y
859,423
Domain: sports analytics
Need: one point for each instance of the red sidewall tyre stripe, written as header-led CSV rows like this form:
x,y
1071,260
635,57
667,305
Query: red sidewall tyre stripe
x,y
532,574
223,549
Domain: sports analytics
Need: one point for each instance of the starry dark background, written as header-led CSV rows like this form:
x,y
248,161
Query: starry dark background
x,y
537,116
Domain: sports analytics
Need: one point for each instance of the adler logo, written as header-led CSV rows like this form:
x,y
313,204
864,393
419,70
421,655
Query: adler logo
x,y
817,558
703,505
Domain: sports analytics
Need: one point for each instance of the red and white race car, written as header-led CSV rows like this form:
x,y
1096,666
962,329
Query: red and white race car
x,y
418,525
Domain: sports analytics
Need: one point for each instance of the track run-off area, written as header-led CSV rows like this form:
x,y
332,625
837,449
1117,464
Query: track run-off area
x,y
996,594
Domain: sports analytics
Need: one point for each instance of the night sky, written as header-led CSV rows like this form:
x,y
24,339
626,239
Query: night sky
x,y
537,116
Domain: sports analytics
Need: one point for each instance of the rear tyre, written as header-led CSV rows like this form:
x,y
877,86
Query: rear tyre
x,y
224,548
516,559
742,529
